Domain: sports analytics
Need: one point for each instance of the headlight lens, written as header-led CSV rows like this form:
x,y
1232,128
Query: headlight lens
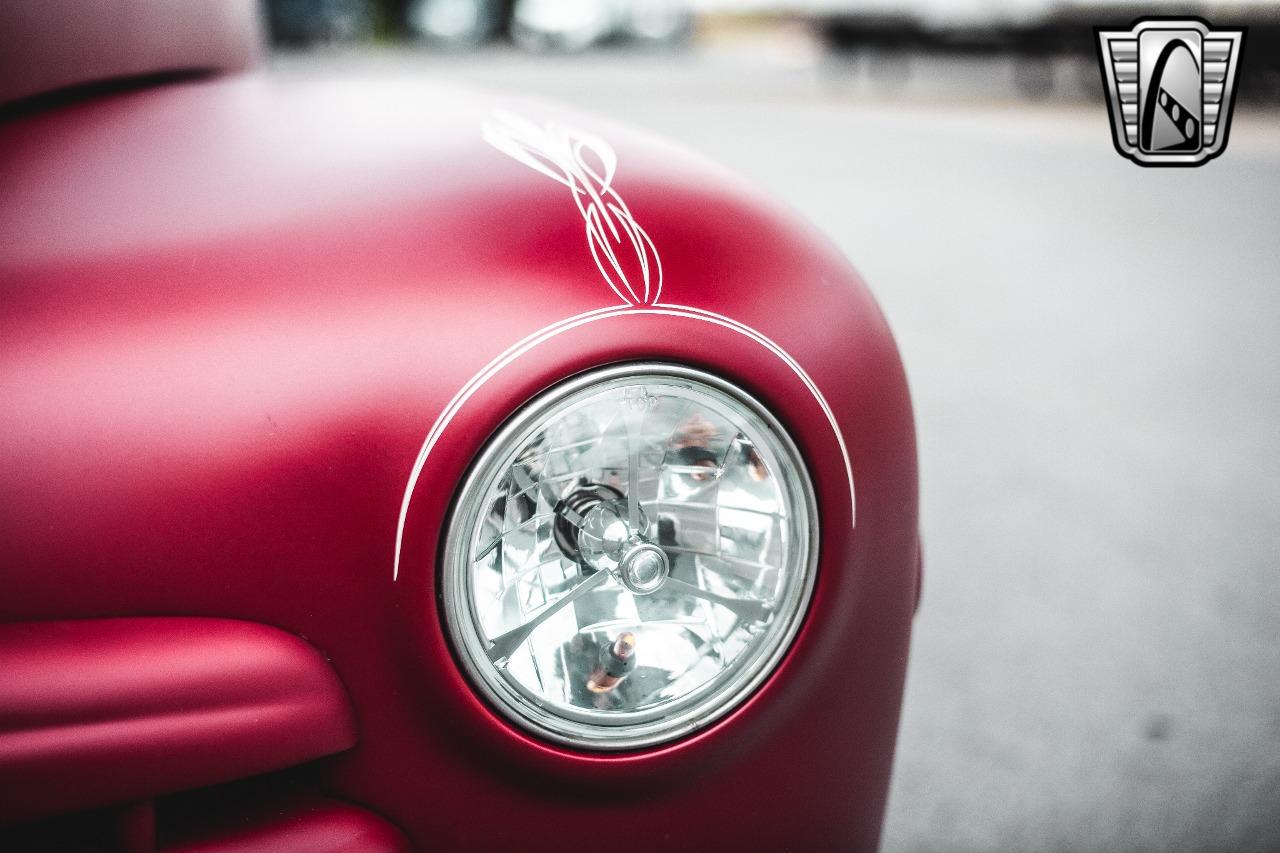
x,y
630,556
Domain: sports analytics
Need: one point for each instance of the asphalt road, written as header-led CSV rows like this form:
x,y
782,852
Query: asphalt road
x,y
1095,361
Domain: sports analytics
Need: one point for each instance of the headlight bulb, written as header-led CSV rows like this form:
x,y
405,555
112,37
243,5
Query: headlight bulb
x,y
629,557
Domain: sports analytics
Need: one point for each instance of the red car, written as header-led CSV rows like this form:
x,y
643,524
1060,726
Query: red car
x,y
391,466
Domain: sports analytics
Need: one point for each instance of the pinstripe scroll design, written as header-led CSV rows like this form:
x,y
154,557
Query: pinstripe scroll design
x,y
625,256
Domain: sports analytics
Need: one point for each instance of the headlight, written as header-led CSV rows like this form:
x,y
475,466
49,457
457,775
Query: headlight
x,y
630,556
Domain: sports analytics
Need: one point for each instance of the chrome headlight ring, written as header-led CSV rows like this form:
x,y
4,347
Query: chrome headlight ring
x,y
630,556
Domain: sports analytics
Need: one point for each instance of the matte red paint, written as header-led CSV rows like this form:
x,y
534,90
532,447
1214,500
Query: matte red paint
x,y
51,44
229,314
103,711
313,824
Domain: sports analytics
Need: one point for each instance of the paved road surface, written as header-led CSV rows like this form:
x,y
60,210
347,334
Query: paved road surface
x,y
1095,355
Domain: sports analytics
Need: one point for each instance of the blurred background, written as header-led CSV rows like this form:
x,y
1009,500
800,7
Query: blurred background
x,y
1092,346
1042,47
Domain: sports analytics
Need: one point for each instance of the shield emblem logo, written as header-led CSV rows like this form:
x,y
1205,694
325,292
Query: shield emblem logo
x,y
1170,87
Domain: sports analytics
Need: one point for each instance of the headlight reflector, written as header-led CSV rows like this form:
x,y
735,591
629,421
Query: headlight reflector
x,y
630,556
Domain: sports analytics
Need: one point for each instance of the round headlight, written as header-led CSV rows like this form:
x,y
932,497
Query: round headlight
x,y
630,556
